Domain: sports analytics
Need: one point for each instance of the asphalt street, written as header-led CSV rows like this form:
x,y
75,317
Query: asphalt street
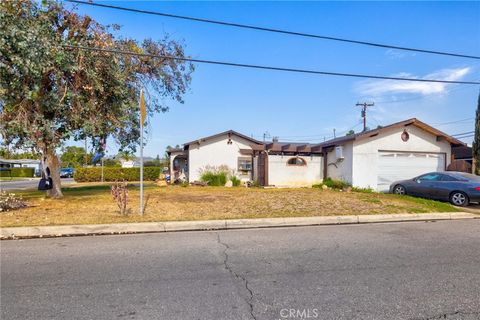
x,y
26,184
417,270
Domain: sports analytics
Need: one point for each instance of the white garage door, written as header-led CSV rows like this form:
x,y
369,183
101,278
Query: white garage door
x,y
393,166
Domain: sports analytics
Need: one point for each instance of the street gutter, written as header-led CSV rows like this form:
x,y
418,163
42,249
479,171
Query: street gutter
x,y
228,224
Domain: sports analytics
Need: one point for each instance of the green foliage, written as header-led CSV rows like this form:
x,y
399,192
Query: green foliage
x,y
7,154
476,142
214,178
74,157
351,132
235,181
50,93
335,184
111,163
362,190
18,172
115,174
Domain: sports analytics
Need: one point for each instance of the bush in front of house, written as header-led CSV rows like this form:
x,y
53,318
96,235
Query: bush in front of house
x,y
216,179
218,176
333,184
336,184
235,181
18,172
111,174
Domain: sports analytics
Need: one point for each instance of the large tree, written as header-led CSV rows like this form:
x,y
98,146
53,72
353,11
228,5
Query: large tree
x,y
50,93
476,141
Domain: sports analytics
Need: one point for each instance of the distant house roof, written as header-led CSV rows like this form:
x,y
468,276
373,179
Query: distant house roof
x,y
20,161
229,132
462,153
405,123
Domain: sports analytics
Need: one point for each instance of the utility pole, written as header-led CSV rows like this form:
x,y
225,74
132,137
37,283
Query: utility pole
x,y
86,153
364,112
334,133
266,135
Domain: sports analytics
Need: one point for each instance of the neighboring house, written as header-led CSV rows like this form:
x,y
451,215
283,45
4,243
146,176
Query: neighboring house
x,y
22,163
133,163
462,159
463,153
371,159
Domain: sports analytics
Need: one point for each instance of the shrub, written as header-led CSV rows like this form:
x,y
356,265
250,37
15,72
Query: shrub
x,y
235,181
335,184
18,172
214,178
8,201
120,196
362,190
115,174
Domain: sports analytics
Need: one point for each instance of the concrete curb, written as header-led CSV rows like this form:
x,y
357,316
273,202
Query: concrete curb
x,y
169,226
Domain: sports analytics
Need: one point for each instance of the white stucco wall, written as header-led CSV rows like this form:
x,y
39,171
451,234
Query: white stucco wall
x,y
215,152
365,152
282,175
341,169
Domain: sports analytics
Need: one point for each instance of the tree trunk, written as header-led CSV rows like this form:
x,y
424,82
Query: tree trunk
x,y
54,165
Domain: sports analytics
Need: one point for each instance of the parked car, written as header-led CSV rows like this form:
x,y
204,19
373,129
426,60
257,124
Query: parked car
x,y
457,187
67,172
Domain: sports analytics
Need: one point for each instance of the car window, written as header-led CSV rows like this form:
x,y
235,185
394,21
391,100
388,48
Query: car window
x,y
446,177
430,177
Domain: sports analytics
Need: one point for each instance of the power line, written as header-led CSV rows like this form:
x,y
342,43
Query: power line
x,y
252,66
461,134
451,122
293,33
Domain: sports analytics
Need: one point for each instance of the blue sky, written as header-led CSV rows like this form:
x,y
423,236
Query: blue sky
x,y
299,107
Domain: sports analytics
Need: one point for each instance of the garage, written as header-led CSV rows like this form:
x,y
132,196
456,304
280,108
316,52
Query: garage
x,y
393,166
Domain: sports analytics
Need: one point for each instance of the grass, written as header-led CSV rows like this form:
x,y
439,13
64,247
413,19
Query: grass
x,y
14,178
92,204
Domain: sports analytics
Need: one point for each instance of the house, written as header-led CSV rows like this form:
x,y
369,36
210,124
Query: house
x,y
462,159
370,159
22,163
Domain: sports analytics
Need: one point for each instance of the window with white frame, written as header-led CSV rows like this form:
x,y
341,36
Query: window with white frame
x,y
244,164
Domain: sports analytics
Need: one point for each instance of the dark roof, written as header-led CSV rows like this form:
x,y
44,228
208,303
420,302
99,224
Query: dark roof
x,y
405,123
462,152
232,132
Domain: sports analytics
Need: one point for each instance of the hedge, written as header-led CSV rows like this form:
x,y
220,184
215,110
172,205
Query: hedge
x,y
115,174
17,172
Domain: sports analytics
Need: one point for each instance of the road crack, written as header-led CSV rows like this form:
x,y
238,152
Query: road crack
x,y
238,276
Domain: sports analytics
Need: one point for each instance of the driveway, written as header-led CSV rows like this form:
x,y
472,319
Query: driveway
x,y
27,184
425,270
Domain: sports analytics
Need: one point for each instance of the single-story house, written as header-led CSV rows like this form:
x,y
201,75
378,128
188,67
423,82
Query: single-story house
x,y
22,163
370,159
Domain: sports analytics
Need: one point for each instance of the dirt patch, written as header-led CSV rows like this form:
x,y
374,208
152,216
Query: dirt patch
x,y
94,204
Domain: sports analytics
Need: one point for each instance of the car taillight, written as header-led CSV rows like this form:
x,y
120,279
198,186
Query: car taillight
x,y
477,188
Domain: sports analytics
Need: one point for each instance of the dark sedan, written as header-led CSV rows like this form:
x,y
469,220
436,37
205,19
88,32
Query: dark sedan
x,y
457,187
67,172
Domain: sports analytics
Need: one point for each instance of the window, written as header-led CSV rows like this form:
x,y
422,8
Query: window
x,y
447,177
430,177
244,164
296,162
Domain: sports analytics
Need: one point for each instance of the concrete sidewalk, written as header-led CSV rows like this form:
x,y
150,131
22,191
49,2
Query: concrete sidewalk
x,y
144,227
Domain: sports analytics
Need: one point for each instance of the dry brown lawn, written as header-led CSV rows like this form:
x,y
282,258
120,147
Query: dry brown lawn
x,y
93,204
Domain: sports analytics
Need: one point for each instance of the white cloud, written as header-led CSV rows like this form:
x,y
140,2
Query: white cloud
x,y
381,87
398,54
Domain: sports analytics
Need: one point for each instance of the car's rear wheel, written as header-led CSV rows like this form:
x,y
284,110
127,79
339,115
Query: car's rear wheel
x,y
459,198
399,189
